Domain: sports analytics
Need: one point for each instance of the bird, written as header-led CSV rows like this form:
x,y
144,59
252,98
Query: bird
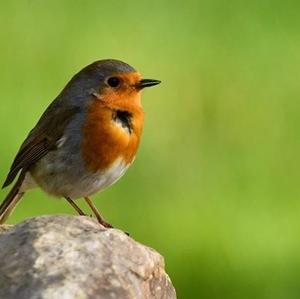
x,y
85,140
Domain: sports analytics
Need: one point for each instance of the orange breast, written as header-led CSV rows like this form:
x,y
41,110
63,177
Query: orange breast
x,y
104,141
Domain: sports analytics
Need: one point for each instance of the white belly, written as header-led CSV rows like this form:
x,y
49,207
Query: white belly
x,y
63,184
99,181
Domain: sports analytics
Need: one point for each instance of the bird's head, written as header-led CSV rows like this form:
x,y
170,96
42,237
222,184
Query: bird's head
x,y
115,83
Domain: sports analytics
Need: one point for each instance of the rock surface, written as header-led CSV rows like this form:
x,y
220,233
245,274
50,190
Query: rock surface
x,y
64,257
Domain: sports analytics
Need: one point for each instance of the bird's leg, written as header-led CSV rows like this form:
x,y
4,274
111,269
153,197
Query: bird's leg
x,y
74,205
97,213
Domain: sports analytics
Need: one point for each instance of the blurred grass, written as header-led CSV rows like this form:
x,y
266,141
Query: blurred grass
x,y
215,187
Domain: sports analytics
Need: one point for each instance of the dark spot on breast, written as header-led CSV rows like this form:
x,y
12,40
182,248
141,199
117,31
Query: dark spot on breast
x,y
123,118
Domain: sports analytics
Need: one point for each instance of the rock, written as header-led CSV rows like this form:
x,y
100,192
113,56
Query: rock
x,y
64,257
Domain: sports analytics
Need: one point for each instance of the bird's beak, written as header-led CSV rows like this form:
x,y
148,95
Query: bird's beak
x,y
147,83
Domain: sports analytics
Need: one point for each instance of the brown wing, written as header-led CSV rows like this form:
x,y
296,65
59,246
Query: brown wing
x,y
42,138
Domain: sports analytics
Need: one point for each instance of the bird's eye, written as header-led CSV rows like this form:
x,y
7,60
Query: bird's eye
x,y
113,82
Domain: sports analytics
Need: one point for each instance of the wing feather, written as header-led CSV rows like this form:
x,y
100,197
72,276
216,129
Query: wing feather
x,y
42,138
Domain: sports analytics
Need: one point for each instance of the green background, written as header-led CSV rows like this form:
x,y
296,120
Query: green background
x,y
215,186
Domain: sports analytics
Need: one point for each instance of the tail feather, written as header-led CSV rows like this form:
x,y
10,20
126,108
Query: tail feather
x,y
12,198
10,208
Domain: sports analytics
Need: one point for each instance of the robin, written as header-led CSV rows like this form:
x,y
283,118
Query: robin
x,y
85,140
